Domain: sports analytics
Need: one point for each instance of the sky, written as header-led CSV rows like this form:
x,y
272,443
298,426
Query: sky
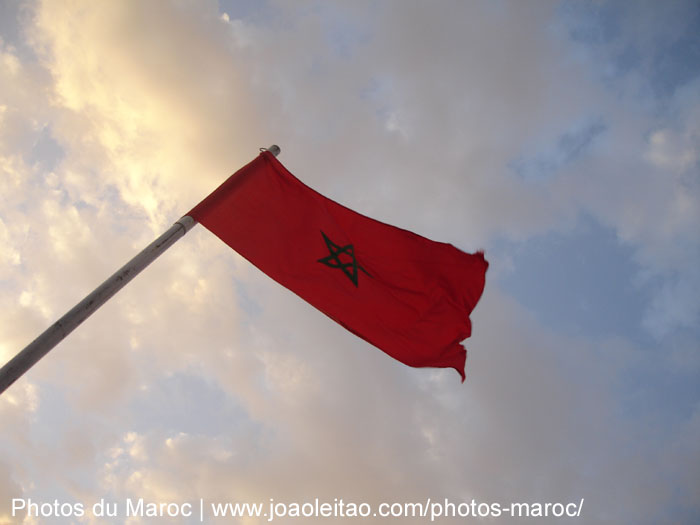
x,y
562,138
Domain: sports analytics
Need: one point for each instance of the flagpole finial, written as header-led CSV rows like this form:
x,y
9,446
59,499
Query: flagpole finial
x,y
274,149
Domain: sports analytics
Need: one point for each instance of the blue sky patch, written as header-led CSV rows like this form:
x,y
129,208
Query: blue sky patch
x,y
582,282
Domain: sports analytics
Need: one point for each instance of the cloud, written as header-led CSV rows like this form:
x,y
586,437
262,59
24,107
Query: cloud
x,y
205,379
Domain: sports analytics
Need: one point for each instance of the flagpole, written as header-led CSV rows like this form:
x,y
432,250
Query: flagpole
x,y
53,335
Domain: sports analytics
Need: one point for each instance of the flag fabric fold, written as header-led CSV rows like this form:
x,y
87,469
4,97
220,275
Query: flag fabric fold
x,y
407,295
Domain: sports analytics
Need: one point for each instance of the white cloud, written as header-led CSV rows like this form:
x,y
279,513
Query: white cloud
x,y
407,112
671,152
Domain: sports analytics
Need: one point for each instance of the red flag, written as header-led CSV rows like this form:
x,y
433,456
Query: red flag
x,y
407,295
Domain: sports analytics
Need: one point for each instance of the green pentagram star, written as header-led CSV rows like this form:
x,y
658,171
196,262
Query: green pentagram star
x,y
333,260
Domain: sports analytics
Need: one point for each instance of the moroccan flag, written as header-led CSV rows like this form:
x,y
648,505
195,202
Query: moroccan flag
x,y
407,295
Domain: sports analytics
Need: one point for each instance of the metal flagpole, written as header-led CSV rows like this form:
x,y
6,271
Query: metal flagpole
x,y
53,335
